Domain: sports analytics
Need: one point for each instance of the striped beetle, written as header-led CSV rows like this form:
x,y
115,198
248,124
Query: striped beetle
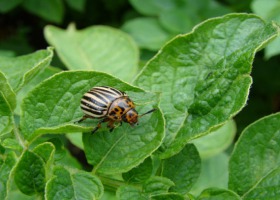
x,y
110,105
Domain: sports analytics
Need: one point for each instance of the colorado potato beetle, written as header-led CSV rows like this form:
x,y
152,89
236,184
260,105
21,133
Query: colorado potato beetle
x,y
110,105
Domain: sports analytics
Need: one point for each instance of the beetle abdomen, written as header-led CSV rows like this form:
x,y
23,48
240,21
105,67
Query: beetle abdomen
x,y
96,102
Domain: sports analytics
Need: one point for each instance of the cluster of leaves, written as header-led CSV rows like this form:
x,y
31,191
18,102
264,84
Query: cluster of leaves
x,y
198,82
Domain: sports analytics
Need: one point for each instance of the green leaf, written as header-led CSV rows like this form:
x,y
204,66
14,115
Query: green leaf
x,y
8,5
51,10
272,48
183,169
268,11
6,116
7,105
157,185
130,192
214,173
10,143
267,188
20,70
9,160
147,32
216,141
29,174
69,184
95,48
140,173
45,151
127,146
204,76
255,154
7,91
52,109
154,188
76,139
218,194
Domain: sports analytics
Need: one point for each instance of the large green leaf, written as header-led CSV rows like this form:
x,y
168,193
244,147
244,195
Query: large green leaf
x,y
126,147
256,153
204,76
52,109
95,48
20,70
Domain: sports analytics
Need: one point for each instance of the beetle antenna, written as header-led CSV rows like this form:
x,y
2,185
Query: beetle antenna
x,y
150,111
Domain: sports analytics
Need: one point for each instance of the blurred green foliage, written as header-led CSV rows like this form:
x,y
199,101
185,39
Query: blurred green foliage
x,y
151,24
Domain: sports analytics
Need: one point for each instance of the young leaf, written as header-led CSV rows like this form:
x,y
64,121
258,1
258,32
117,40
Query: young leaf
x,y
6,116
52,109
267,188
130,192
255,154
44,150
154,188
11,143
183,169
29,174
7,92
126,147
204,76
9,160
95,48
140,173
218,194
157,185
20,70
67,184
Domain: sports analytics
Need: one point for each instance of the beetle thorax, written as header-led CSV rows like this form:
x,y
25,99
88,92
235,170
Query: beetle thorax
x,y
122,109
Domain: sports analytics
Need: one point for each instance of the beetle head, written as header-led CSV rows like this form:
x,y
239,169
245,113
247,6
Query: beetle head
x,y
131,117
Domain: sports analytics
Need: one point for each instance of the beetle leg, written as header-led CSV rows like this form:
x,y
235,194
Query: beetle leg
x,y
110,125
99,125
82,119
